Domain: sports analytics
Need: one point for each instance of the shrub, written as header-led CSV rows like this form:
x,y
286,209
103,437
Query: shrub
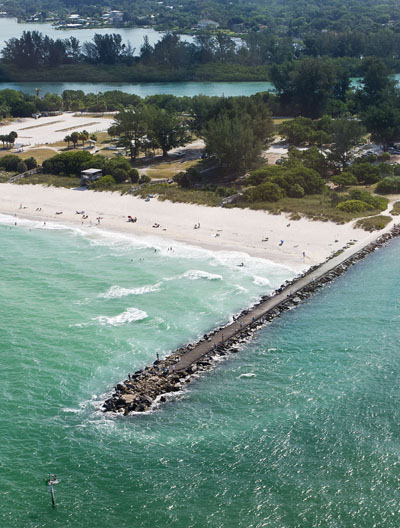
x,y
120,175
104,182
388,186
68,163
354,206
21,167
373,223
133,175
296,191
261,175
9,162
31,163
115,164
144,179
266,192
344,179
377,202
366,173
309,179
385,170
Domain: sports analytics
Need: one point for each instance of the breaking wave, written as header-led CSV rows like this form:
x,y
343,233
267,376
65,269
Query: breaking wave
x,y
130,315
117,291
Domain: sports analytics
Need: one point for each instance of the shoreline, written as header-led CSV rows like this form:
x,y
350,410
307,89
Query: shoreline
x,y
329,250
258,234
147,388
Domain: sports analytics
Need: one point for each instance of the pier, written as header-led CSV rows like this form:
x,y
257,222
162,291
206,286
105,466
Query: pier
x,y
151,386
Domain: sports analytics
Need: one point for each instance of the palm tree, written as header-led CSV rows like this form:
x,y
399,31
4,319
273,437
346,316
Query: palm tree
x,y
68,140
74,138
84,136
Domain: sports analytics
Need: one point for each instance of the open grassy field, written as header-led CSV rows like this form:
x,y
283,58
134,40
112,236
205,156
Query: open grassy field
x,y
168,169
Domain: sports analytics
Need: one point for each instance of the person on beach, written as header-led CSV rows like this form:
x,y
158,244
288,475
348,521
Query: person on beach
x,y
281,242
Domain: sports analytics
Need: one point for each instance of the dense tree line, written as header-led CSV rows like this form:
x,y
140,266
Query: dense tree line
x,y
294,17
263,48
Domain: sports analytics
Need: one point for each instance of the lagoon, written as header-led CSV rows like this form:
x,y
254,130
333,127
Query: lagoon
x,y
180,89
9,28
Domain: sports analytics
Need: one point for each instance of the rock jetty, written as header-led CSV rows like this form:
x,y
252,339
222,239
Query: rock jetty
x,y
154,384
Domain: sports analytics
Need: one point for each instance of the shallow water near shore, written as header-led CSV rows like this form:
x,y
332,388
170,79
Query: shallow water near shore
x,y
300,429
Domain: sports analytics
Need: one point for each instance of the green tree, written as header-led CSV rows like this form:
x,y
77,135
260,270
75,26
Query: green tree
x,y
344,179
166,129
232,141
346,134
383,122
297,131
74,138
132,127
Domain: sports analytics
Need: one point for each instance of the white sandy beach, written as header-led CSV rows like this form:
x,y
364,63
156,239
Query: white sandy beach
x,y
239,230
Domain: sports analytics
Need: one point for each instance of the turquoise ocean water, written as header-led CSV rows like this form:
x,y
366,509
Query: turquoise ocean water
x,y
300,429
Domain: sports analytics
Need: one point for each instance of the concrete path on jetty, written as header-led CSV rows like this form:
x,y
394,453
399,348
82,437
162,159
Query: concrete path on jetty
x,y
256,313
147,387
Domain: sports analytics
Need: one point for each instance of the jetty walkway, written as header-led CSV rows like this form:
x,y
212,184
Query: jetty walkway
x,y
150,386
258,312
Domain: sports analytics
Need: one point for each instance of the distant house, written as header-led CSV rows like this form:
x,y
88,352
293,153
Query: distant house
x,y
203,24
90,175
117,16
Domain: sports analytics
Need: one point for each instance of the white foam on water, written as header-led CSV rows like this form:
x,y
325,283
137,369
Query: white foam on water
x,y
116,292
199,274
263,272
261,281
247,375
129,316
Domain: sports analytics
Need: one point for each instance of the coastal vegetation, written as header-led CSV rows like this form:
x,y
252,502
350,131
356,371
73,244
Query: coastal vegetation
x,y
327,171
342,27
373,223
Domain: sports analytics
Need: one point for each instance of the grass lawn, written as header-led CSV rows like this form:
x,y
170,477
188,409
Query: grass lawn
x,y
169,169
279,120
40,155
396,209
